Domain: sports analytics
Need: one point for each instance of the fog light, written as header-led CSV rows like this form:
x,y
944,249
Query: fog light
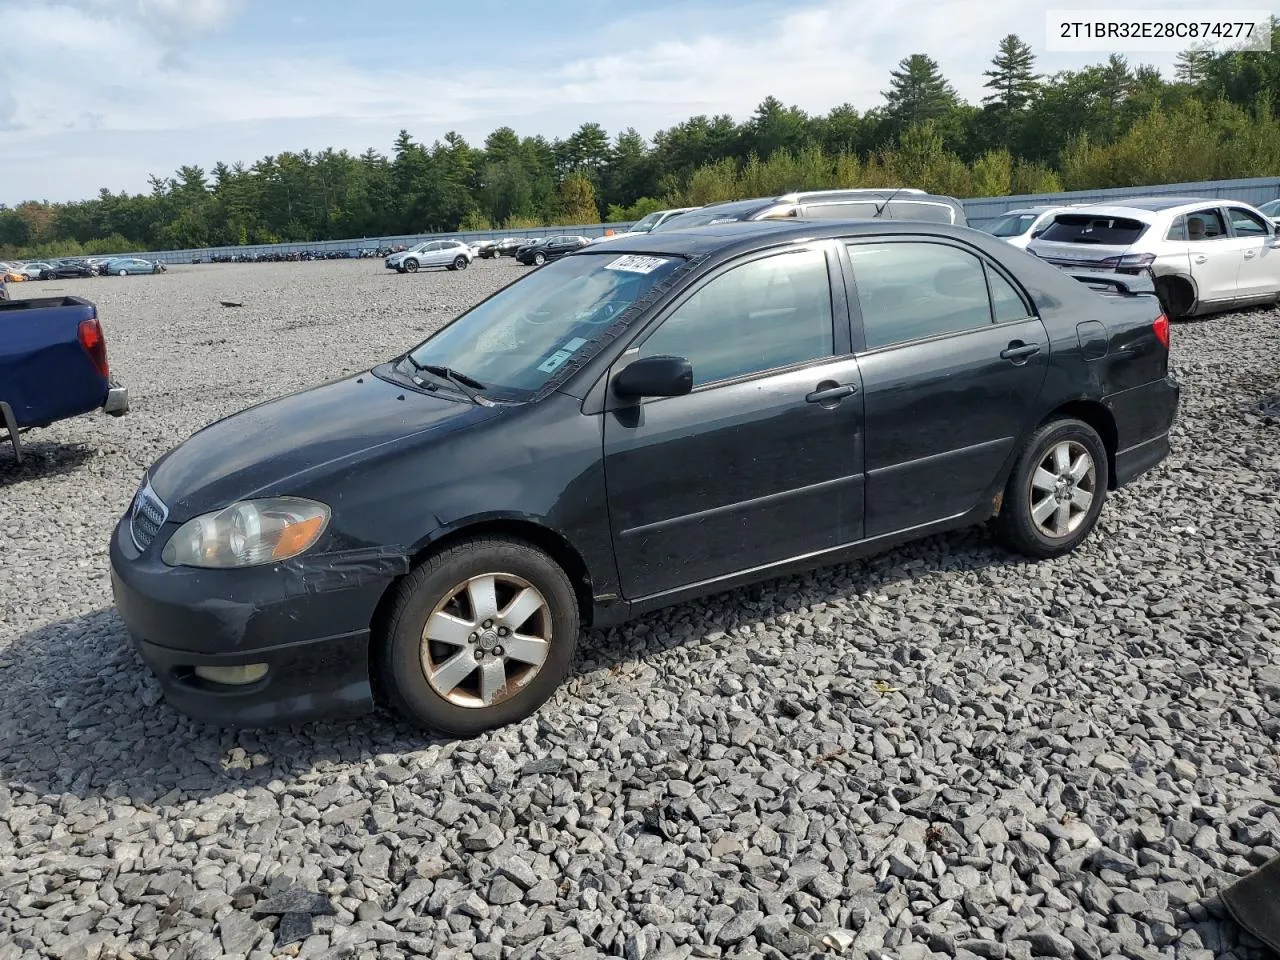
x,y
232,676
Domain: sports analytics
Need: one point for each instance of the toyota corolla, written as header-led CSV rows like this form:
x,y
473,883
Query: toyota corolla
x,y
639,423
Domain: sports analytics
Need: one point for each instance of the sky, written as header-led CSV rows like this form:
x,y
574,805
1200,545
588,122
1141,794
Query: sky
x,y
104,93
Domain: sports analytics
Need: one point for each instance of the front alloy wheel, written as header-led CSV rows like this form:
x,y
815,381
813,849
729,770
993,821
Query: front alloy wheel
x,y
479,636
486,640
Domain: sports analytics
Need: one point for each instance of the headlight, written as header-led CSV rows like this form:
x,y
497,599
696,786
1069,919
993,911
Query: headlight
x,y
248,533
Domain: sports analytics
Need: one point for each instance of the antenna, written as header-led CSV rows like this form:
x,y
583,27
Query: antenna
x,y
880,209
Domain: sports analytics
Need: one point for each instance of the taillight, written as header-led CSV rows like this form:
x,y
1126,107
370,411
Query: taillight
x,y
1161,328
95,345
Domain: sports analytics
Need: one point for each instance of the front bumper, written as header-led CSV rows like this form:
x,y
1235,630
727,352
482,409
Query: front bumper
x,y
117,402
309,622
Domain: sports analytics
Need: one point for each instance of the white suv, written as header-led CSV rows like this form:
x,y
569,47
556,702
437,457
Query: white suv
x,y
645,225
1205,255
452,254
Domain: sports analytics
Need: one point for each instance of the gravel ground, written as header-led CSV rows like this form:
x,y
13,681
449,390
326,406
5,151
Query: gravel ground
x,y
943,752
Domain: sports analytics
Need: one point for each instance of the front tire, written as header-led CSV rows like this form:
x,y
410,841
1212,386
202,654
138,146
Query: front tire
x,y
480,635
1056,491
539,259
411,265
123,273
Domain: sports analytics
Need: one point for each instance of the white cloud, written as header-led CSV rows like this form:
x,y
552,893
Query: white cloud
x,y
103,92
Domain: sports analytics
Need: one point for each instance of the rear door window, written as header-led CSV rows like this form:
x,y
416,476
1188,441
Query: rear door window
x,y
838,211
1086,228
1206,224
921,210
915,290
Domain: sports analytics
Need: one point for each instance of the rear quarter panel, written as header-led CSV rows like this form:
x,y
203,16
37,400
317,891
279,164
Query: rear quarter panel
x,y
45,374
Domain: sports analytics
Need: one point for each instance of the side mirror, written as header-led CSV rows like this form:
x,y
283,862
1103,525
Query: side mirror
x,y
655,377
1037,234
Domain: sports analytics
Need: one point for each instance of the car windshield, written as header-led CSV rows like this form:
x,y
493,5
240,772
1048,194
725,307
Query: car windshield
x,y
647,223
517,339
1271,208
1014,225
719,213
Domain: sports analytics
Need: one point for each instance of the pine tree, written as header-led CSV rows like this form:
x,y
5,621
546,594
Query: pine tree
x,y
918,91
1191,64
1012,79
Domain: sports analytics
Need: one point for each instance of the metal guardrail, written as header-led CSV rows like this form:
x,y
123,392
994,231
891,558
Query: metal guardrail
x,y
979,211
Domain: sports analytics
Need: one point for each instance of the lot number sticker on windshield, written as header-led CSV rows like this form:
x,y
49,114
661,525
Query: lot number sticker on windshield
x,y
636,264
554,361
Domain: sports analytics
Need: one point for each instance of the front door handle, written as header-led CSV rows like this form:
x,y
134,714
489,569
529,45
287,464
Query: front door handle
x,y
829,394
1019,351
1250,254
1200,258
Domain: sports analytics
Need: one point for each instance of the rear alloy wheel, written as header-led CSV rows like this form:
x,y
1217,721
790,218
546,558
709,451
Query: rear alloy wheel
x,y
539,259
480,635
411,265
460,263
1056,492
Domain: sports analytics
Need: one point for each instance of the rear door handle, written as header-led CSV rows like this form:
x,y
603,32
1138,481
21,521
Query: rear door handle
x,y
1250,254
831,395
1017,350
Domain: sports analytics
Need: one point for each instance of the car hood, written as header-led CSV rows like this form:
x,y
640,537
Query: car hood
x,y
264,449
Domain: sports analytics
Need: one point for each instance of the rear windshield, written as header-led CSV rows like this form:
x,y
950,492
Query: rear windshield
x,y
1084,228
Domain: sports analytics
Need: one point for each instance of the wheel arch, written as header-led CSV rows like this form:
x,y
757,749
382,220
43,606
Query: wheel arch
x,y
1180,281
1096,415
536,534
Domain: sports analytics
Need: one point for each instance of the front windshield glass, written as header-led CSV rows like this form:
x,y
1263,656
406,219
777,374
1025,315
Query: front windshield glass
x,y
517,339
1012,226
647,224
719,213
1271,208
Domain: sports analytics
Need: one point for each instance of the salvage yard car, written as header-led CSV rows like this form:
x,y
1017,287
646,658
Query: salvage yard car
x,y
53,365
1206,255
538,252
634,425
451,254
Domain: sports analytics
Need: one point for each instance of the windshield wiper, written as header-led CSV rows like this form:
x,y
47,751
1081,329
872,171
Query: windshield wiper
x,y
468,385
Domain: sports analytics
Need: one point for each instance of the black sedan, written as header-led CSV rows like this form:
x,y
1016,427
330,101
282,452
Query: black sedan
x,y
550,248
67,270
643,422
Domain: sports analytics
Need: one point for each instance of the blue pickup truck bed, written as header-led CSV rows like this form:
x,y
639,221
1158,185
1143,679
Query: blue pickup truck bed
x,y
53,364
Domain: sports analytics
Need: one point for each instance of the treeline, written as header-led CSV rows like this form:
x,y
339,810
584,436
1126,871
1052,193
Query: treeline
x,y
1107,125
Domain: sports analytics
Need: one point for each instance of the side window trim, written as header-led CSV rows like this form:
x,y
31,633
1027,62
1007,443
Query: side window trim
x,y
988,268
839,319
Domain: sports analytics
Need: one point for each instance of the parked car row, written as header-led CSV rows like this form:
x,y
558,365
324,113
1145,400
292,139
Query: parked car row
x,y
74,267
1203,255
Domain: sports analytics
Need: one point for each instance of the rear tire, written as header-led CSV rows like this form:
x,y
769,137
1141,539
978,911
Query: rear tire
x,y
460,263
1055,492
452,595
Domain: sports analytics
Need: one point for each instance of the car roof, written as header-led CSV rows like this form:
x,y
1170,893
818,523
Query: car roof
x,y
744,235
1153,204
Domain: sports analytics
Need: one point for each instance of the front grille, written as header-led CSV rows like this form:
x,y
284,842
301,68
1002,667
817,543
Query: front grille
x,y
146,517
